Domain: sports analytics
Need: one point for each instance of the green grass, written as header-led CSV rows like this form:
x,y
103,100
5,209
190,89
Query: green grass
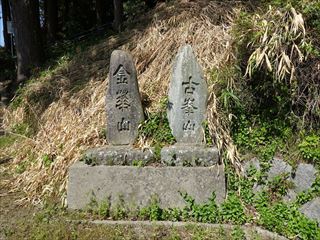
x,y
7,140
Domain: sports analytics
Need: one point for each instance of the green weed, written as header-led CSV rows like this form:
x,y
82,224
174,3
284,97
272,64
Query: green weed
x,y
310,148
157,128
7,140
238,234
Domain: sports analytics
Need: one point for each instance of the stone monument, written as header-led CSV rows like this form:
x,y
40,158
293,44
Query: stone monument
x,y
96,178
188,96
124,114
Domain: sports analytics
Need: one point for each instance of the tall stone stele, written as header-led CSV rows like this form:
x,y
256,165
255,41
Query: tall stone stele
x,y
124,114
188,96
123,103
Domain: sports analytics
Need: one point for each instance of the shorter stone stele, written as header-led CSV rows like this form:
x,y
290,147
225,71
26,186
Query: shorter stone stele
x,y
124,114
188,96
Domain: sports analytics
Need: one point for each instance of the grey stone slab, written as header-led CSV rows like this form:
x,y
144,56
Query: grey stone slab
x,y
278,167
304,177
178,155
188,94
137,185
254,162
312,209
123,103
118,155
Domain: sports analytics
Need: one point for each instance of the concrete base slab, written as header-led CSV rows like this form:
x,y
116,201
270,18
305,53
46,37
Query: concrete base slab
x,y
138,185
189,155
118,155
251,232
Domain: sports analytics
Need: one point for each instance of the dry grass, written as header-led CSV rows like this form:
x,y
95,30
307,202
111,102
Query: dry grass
x,y
71,122
278,47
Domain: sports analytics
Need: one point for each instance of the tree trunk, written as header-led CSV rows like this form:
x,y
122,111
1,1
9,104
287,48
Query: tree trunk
x,y
6,16
52,19
118,14
101,10
27,36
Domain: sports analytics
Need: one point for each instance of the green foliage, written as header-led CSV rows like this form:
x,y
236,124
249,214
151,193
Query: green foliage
x,y
310,10
157,128
138,163
21,167
286,219
7,140
279,185
260,135
152,212
310,148
89,160
232,210
207,212
22,129
119,211
47,160
208,138
238,234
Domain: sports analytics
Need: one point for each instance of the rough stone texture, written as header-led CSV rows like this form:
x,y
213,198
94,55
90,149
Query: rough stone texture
x,y
290,196
142,228
118,155
279,167
304,177
123,103
189,156
188,95
253,162
137,185
312,209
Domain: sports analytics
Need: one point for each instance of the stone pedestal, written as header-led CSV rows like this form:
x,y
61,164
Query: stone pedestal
x,y
118,155
138,185
189,156
188,96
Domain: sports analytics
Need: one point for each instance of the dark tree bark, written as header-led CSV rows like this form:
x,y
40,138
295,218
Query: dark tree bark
x,y
118,14
66,10
6,16
101,10
52,19
27,36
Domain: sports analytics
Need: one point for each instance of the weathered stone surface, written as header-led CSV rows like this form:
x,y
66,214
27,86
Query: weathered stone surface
x,y
143,229
137,185
304,177
278,167
178,155
312,209
188,95
254,162
123,103
118,155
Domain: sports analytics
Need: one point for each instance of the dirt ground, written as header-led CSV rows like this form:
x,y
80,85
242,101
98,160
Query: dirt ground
x,y
11,212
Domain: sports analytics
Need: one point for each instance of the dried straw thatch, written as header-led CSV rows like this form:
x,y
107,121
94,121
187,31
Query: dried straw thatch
x,y
70,121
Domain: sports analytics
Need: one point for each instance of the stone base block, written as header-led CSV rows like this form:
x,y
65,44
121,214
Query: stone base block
x,y
181,155
118,155
138,185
